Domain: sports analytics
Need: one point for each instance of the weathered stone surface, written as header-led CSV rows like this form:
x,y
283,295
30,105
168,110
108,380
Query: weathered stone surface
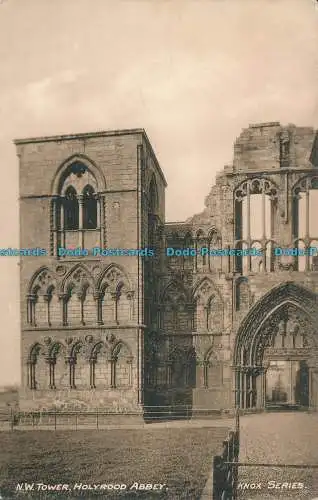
x,y
117,331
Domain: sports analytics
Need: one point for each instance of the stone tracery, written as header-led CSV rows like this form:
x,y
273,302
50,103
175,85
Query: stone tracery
x,y
282,329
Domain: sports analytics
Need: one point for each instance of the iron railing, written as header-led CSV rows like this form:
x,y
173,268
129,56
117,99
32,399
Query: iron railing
x,y
96,418
225,466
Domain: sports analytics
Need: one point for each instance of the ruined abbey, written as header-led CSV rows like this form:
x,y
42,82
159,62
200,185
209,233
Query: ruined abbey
x,y
232,326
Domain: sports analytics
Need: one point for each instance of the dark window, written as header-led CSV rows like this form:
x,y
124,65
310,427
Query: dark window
x,y
89,208
70,209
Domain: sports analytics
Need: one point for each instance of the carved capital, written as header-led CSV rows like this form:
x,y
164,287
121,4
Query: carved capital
x,y
115,295
97,294
32,297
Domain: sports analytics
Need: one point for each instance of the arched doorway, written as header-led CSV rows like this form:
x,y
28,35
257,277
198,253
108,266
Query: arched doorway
x,y
276,351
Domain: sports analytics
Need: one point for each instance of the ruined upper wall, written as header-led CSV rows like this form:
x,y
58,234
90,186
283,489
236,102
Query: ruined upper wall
x,y
270,146
261,148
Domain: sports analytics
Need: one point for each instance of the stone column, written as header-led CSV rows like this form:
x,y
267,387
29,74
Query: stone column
x,y
63,300
62,228
242,388
81,297
47,299
310,386
248,225
130,297
52,362
98,300
81,221
129,362
28,374
115,297
113,362
264,388
54,228
205,373
31,301
291,383
31,370
92,362
237,382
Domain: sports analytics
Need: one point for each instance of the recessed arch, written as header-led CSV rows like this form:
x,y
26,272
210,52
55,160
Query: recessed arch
x,y
174,291
77,276
120,347
46,275
286,293
208,288
114,273
153,196
276,340
65,166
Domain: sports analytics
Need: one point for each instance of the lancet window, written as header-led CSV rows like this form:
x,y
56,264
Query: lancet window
x,y
255,210
305,223
77,208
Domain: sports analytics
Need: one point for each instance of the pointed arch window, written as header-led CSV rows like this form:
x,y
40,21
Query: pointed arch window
x,y
71,210
89,208
255,207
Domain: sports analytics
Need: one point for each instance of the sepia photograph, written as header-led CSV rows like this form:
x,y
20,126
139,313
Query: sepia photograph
x,y
159,249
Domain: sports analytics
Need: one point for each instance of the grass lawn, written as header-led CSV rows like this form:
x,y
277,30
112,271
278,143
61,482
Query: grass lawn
x,y
179,457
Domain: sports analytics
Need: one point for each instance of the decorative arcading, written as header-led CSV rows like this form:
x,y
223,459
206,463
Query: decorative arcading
x,y
90,348
77,280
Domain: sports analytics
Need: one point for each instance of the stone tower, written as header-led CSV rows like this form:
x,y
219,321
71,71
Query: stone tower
x,y
83,311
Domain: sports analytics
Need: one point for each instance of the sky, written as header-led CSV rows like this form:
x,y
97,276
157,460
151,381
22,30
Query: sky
x,y
192,73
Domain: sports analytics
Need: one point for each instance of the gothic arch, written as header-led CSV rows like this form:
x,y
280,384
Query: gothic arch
x,y
42,298
121,365
178,292
36,362
115,275
120,347
204,288
200,234
256,185
288,293
209,306
34,352
309,180
56,349
64,167
76,348
214,235
277,336
188,239
210,354
45,277
98,348
242,293
153,196
80,276
212,368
